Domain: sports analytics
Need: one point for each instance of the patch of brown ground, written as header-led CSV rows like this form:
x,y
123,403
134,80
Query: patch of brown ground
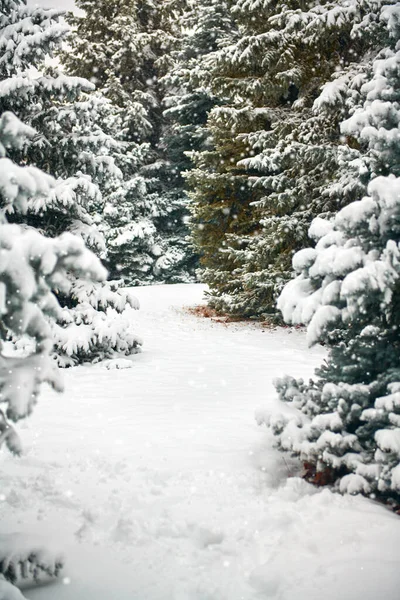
x,y
206,312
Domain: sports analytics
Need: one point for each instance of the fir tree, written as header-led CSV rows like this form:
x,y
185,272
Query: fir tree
x,y
32,269
71,144
188,101
221,201
347,291
124,46
272,75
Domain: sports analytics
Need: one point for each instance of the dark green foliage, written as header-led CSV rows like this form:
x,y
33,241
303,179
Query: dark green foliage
x,y
124,47
272,70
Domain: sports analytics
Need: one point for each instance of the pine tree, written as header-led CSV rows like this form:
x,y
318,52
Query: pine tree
x,y
271,75
205,138
188,101
32,269
70,144
347,290
124,46
221,201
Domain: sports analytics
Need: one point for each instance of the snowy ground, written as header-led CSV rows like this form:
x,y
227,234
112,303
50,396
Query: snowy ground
x,y
158,485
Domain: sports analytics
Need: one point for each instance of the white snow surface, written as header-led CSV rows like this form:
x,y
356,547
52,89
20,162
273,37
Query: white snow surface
x,y
157,484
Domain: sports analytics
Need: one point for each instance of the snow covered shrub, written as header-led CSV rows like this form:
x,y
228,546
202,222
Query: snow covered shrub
x,y
33,269
74,142
347,291
100,324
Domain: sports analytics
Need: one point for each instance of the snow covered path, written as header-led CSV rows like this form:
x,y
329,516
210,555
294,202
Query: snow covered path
x,y
158,484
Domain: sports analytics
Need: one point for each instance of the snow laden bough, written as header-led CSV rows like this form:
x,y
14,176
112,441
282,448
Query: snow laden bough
x,y
32,268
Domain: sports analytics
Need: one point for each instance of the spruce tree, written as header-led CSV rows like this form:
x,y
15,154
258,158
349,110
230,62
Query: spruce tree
x,y
33,270
188,100
222,201
284,141
123,46
70,144
347,291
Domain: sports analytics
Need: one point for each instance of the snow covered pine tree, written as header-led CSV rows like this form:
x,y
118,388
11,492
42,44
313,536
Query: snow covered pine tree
x,y
123,46
32,268
347,290
276,162
188,101
71,143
